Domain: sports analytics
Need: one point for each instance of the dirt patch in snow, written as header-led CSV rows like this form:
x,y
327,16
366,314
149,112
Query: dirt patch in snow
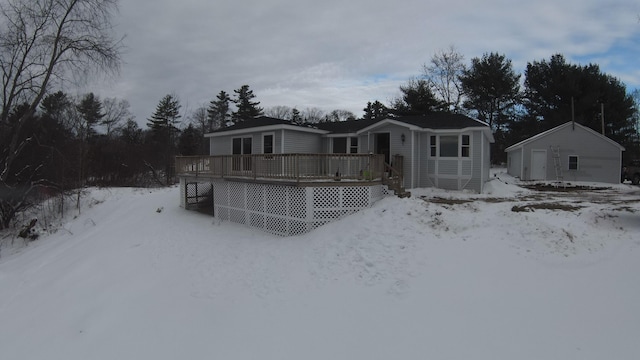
x,y
560,187
545,206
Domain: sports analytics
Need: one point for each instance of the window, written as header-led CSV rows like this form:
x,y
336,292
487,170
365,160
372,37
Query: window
x,y
246,146
449,146
241,146
237,146
573,162
353,146
267,144
465,146
340,145
432,143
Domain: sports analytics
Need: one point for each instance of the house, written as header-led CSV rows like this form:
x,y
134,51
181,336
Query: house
x,y
289,178
569,152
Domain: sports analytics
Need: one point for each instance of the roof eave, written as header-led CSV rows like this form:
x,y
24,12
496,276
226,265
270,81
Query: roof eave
x,y
265,128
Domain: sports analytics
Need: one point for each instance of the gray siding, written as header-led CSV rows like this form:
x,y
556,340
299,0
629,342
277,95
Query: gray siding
x,y
296,142
220,145
514,163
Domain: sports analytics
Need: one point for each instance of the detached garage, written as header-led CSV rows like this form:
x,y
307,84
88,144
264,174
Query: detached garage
x,y
569,152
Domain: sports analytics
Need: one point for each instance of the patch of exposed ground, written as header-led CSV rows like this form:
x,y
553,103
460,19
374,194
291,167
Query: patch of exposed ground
x,y
545,206
562,187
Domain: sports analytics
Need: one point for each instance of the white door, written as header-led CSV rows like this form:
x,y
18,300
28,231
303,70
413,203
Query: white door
x,y
538,164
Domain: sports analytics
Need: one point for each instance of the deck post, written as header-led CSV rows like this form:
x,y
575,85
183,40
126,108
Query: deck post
x,y
296,168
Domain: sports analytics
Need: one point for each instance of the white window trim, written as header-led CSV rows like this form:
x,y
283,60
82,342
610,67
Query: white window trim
x,y
273,142
461,145
349,146
437,145
241,147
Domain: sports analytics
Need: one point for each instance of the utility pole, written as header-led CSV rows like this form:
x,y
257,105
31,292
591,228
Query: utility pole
x,y
602,116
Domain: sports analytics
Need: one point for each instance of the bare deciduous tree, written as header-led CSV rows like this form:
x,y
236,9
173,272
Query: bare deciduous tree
x,y
44,42
200,119
313,115
443,75
340,115
279,112
116,114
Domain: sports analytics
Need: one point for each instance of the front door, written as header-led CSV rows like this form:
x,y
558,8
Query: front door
x,y
383,146
538,164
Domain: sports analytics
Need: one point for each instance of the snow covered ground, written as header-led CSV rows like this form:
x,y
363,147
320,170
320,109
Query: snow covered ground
x,y
508,274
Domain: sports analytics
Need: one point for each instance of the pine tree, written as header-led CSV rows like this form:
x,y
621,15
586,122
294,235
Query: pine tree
x,y
555,89
56,105
165,119
163,124
218,111
246,109
417,99
90,109
492,88
492,92
296,117
375,110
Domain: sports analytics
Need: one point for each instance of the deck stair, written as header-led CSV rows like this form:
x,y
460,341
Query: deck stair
x,y
393,177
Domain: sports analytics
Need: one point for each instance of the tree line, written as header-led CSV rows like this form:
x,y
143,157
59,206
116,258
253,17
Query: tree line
x,y
51,141
516,106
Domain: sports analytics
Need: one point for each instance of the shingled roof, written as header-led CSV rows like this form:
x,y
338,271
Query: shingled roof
x,y
431,121
254,122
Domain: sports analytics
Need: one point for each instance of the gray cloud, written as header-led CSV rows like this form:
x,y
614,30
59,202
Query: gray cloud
x,y
340,54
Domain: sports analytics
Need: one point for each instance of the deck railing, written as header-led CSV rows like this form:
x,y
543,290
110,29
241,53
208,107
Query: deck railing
x,y
286,167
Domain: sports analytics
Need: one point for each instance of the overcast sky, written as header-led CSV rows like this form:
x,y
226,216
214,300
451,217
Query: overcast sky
x,y
334,54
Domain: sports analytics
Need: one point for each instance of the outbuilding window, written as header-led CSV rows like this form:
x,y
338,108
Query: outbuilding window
x,y
573,162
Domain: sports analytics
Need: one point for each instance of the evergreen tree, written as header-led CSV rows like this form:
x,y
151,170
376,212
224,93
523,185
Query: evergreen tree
x,y
56,106
492,92
417,99
296,117
246,108
218,111
492,89
190,141
90,110
163,124
165,119
554,90
375,110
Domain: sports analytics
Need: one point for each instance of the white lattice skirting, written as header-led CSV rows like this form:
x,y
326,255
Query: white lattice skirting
x,y
288,210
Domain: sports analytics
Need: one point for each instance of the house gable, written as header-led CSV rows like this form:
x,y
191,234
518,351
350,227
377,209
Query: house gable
x,y
558,129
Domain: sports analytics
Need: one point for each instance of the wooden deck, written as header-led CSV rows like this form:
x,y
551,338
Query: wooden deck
x,y
300,169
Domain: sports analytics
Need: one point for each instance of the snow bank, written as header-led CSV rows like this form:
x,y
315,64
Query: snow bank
x,y
439,275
